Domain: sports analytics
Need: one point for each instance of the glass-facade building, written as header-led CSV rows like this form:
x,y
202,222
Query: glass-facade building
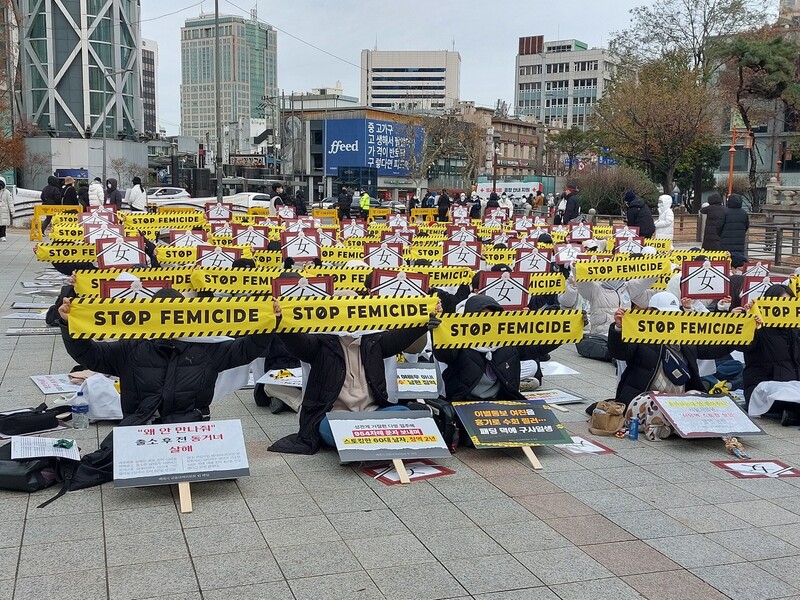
x,y
249,73
72,89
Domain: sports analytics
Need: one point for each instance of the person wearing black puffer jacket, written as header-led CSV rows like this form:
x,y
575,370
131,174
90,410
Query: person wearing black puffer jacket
x,y
51,196
715,213
733,229
639,215
487,374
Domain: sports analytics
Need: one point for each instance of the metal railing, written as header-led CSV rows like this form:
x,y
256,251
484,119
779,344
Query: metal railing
x,y
686,230
778,243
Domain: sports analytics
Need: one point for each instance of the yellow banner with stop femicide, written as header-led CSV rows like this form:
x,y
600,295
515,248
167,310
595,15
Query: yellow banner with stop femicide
x,y
308,315
66,253
94,318
512,328
87,283
689,328
778,312
619,269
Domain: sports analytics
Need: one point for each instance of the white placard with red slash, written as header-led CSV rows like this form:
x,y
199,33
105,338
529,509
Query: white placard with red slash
x,y
119,253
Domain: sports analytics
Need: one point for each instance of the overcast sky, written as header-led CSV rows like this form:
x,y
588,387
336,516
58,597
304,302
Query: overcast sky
x,y
485,33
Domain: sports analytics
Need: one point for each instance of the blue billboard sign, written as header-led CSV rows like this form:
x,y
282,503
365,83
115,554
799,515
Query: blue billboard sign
x,y
382,145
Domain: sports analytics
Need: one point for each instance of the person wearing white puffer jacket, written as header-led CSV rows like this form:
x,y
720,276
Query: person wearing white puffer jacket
x,y
665,224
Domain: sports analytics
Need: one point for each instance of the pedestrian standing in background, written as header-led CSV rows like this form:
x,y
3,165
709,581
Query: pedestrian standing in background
x,y
6,209
715,213
97,195
69,195
638,215
83,195
113,195
137,196
51,196
665,224
443,206
733,229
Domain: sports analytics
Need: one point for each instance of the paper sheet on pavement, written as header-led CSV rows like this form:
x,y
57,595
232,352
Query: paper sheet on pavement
x,y
35,447
290,377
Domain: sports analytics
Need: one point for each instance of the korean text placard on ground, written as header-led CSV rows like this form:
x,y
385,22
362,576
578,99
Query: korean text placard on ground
x,y
701,415
386,435
510,423
172,453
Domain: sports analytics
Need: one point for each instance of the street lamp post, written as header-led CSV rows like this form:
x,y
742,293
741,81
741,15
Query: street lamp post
x,y
496,147
748,144
218,100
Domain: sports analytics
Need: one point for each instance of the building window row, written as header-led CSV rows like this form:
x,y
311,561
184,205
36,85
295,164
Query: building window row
x,y
407,87
414,97
408,70
401,78
560,48
586,65
529,87
561,84
558,68
584,83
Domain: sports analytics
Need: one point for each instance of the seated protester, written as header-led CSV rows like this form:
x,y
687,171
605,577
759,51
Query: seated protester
x,y
772,367
476,285
171,378
663,368
347,373
486,373
728,369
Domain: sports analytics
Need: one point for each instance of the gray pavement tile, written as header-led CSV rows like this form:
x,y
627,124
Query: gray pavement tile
x,y
562,565
525,536
145,547
786,568
342,478
53,530
276,590
213,491
483,574
130,582
325,460
417,494
356,585
714,491
641,454
649,524
666,496
496,510
459,543
235,569
524,484
40,558
767,488
612,501
536,593
685,472
696,550
623,476
141,520
744,581
491,463
760,513
578,481
672,585
432,517
377,552
8,563
184,596
589,529
351,500
551,506
428,583
224,539
297,531
281,507
466,489
791,503
600,589
788,533
11,531
86,585
316,559
83,501
379,522
705,519
205,514
133,498
629,558
753,544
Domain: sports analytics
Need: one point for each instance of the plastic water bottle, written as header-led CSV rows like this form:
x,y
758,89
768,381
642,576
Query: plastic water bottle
x,y
633,429
80,412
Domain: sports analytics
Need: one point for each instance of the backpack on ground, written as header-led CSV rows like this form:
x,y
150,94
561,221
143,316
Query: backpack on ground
x,y
607,418
594,346
36,419
444,415
32,474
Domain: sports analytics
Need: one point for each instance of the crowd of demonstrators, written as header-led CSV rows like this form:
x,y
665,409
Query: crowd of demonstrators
x,y
347,371
6,209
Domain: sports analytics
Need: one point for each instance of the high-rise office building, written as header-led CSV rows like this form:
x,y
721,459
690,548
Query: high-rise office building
x,y
560,82
81,80
410,80
149,60
249,77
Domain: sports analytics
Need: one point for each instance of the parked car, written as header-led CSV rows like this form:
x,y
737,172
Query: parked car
x,y
326,203
166,193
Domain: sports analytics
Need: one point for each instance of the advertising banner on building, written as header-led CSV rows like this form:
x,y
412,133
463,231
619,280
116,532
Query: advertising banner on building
x,y
383,145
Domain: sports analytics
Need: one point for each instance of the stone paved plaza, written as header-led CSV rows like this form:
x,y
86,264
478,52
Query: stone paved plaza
x,y
653,520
